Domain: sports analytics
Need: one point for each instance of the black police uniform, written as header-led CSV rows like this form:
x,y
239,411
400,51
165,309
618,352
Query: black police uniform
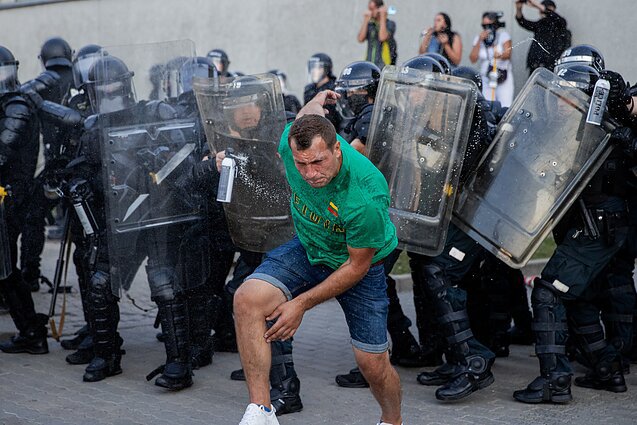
x,y
19,135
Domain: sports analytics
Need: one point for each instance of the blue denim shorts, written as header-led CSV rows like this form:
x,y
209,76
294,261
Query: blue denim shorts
x,y
365,305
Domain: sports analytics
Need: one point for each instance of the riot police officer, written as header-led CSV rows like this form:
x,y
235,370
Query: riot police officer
x,y
55,56
112,99
290,102
220,61
587,239
320,77
18,155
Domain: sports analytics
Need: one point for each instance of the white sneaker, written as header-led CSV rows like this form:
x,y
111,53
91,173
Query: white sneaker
x,y
256,415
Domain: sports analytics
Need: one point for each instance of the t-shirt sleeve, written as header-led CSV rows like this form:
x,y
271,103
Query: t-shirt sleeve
x,y
504,37
283,143
366,227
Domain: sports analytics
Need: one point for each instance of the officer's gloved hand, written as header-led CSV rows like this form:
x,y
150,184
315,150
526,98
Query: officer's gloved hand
x,y
619,95
624,137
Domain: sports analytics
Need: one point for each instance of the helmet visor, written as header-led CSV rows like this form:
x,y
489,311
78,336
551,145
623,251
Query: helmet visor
x,y
315,71
81,67
8,78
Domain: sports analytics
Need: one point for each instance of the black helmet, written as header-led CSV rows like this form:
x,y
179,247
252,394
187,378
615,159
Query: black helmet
x,y
446,65
84,58
195,67
8,72
424,63
319,66
579,76
356,77
468,73
582,54
219,59
110,85
56,52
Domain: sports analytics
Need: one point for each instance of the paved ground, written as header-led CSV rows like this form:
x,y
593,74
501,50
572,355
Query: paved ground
x,y
46,390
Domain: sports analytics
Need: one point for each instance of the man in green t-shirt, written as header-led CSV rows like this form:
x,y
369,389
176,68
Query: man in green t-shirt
x,y
340,208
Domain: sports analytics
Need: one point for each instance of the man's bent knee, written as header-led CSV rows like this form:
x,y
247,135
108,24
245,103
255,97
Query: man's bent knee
x,y
256,296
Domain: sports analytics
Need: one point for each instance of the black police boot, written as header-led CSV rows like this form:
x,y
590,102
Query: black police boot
x,y
74,343
200,325
475,375
31,340
439,376
406,351
605,376
553,388
353,379
84,353
550,331
284,383
103,321
238,375
176,374
101,368
31,337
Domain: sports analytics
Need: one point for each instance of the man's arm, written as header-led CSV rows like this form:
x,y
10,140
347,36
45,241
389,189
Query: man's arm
x,y
289,315
362,33
383,32
316,106
524,23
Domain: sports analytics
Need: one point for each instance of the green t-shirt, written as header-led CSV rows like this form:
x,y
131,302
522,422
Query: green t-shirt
x,y
353,209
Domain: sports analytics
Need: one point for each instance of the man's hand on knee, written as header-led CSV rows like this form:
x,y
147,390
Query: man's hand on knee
x,y
288,318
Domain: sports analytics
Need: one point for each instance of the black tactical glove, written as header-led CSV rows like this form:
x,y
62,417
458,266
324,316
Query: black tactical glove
x,y
624,137
619,97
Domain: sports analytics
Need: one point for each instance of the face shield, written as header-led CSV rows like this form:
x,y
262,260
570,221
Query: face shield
x,y
81,67
244,112
8,78
219,64
190,70
111,96
315,70
354,97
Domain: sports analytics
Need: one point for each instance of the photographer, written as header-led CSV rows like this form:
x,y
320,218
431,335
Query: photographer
x,y
442,40
551,37
379,32
493,48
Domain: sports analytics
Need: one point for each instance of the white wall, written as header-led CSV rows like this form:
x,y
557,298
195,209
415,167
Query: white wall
x,y
264,34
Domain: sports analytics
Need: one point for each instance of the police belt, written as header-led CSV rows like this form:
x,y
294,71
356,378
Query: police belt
x,y
599,222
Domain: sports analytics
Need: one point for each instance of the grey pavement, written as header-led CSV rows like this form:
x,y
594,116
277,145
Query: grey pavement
x,y
46,390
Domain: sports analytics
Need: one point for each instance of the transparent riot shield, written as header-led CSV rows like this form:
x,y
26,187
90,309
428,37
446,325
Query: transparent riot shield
x,y
543,155
419,133
155,209
5,252
245,117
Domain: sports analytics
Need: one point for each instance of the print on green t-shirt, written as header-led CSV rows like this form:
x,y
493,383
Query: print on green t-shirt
x,y
353,209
